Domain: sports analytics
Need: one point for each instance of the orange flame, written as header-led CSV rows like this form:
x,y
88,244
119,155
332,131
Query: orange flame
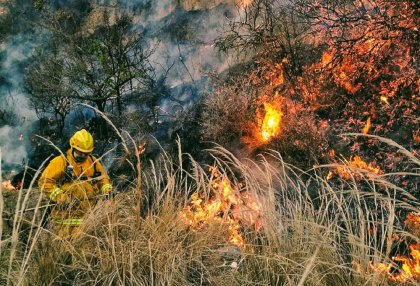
x,y
245,3
384,99
343,73
270,127
326,59
7,185
365,129
226,205
354,162
357,162
410,267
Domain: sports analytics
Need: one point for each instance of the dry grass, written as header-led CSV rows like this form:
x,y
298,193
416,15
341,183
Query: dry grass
x,y
141,240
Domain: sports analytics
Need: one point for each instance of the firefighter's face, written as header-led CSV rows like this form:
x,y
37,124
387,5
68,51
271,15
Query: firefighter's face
x,y
79,156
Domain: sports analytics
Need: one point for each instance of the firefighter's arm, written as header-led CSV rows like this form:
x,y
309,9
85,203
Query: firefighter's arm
x,y
49,180
104,183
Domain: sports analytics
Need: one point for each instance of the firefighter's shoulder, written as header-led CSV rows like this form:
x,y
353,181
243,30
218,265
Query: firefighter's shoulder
x,y
59,160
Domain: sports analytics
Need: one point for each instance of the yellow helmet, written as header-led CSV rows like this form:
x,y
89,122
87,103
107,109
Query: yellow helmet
x,y
82,140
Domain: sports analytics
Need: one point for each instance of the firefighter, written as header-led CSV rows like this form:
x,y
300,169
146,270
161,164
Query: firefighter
x,y
74,182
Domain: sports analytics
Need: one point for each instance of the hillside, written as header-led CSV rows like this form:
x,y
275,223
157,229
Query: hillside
x,y
247,142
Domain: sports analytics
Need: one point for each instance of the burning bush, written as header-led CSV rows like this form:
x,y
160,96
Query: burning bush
x,y
263,119
334,76
225,204
303,141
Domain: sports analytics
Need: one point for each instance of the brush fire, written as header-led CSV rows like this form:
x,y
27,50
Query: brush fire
x,y
356,162
269,120
409,268
226,204
271,123
274,84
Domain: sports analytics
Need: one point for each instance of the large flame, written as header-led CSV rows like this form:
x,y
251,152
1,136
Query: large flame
x,y
270,127
225,205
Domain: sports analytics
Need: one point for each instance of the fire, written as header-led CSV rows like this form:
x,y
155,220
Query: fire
x,y
343,73
412,221
326,59
245,3
226,205
355,162
7,185
410,266
365,129
383,268
270,127
384,99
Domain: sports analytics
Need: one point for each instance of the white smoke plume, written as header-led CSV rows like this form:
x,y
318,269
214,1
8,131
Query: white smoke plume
x,y
14,53
181,31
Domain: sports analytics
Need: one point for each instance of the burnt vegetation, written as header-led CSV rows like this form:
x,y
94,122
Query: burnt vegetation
x,y
322,100
337,66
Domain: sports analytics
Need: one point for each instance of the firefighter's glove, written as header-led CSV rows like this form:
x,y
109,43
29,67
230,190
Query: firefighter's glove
x,y
63,201
107,191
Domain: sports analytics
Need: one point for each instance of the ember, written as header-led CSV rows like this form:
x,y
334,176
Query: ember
x,y
413,222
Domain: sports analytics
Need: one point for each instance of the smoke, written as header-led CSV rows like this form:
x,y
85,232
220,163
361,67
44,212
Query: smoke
x,y
13,149
18,118
181,32
161,9
183,42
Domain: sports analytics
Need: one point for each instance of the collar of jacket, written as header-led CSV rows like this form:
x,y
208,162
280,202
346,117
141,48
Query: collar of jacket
x,y
73,162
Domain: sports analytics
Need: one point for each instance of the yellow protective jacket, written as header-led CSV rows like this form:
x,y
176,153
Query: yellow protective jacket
x,y
80,186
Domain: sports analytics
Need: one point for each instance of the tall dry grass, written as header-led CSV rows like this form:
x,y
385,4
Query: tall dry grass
x,y
314,231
